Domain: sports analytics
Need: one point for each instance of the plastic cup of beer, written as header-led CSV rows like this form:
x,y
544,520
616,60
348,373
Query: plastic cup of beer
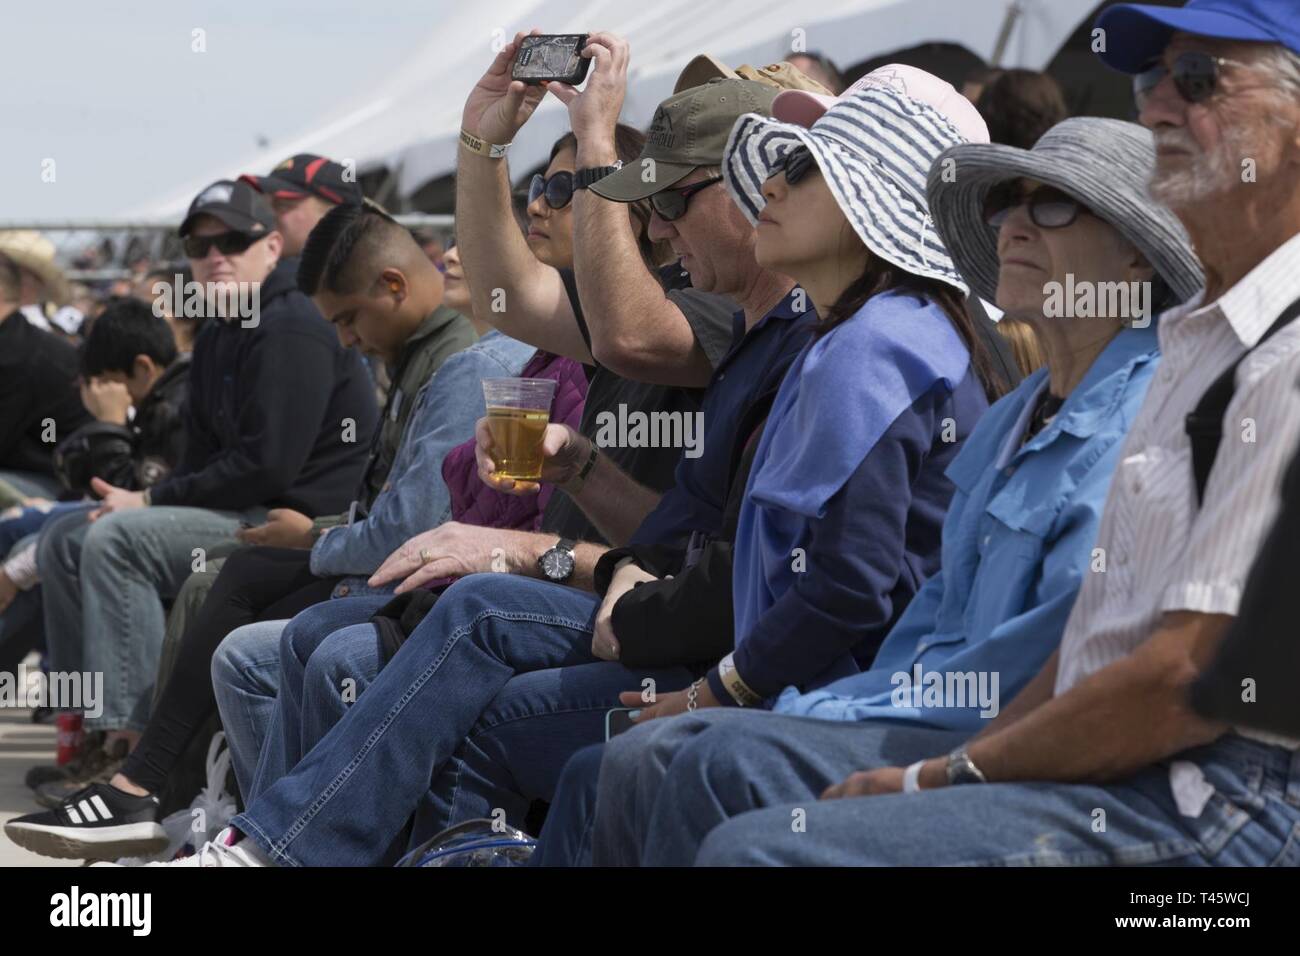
x,y
518,411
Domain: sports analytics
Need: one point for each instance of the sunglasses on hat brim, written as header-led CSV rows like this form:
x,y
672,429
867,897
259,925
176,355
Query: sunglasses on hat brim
x,y
1195,74
228,244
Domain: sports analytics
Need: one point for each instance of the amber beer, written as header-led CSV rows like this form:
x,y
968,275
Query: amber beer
x,y
518,411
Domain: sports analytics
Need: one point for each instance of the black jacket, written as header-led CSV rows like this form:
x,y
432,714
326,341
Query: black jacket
x,y
134,456
38,381
279,414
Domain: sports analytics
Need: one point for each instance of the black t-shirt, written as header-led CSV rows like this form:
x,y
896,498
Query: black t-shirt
x,y
712,319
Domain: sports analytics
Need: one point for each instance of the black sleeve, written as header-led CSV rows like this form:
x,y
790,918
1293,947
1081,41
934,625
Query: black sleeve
x,y
657,559
279,421
685,619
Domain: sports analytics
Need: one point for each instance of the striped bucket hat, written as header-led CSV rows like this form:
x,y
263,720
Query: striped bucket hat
x,y
874,145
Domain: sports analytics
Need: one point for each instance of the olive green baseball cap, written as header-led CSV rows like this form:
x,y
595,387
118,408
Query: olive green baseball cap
x,y
689,129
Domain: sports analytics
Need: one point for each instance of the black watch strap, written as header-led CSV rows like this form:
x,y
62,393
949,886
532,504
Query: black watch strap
x,y
585,177
566,544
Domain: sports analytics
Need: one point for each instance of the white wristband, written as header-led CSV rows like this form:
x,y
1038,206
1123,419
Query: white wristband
x,y
912,777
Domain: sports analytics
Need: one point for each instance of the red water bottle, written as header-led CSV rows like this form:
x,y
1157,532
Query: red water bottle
x,y
70,737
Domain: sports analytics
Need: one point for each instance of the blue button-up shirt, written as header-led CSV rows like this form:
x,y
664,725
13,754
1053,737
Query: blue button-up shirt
x,y
1017,541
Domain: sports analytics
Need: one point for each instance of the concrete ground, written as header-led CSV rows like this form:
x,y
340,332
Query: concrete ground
x,y
22,744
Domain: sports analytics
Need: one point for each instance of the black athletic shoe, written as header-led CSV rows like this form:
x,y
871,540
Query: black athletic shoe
x,y
97,823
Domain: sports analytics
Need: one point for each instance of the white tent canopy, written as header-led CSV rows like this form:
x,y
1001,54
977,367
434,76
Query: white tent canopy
x,y
410,123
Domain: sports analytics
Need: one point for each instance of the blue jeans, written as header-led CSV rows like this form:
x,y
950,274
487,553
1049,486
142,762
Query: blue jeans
x,y
327,655
21,625
348,801
245,678
742,788
515,752
104,585
565,839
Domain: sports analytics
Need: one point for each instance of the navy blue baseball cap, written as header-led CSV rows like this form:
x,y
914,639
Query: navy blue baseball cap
x,y
1137,33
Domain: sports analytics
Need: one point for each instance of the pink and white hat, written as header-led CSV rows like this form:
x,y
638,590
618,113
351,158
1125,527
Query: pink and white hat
x,y
874,145
804,108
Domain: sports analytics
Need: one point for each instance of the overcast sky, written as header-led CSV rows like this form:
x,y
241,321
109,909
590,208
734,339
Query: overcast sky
x,y
112,92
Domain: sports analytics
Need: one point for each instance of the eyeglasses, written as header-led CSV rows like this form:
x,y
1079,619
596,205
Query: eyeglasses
x,y
227,243
796,164
558,190
1196,76
671,203
1049,208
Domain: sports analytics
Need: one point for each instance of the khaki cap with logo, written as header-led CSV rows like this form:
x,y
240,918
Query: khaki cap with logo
x,y
689,129
787,76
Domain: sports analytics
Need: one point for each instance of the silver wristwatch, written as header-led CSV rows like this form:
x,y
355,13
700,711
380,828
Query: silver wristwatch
x,y
961,769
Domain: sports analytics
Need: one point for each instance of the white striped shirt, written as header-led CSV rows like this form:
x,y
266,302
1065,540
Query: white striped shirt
x,y
1159,550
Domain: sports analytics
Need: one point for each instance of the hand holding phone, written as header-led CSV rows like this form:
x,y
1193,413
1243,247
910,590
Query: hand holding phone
x,y
594,111
499,104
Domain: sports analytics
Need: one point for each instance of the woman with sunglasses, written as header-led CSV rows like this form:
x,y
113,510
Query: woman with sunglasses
x,y
550,204
1031,482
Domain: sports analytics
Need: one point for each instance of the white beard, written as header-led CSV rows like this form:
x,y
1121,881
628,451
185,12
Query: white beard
x,y
1206,175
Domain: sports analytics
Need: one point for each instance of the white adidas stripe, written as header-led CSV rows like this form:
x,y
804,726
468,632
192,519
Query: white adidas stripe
x,y
73,815
104,812
87,811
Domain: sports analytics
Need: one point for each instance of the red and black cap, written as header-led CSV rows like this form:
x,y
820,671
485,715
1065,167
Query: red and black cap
x,y
236,204
308,175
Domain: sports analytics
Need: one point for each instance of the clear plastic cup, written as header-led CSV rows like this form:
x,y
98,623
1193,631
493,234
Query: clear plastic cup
x,y
518,411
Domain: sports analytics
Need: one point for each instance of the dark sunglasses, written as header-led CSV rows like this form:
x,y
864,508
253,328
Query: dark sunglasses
x,y
558,190
1196,76
796,164
1049,208
671,204
227,243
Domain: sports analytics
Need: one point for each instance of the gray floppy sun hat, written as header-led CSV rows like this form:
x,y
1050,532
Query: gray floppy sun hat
x,y
1103,163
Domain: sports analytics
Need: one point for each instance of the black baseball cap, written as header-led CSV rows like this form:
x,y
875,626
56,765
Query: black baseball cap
x,y
236,204
308,175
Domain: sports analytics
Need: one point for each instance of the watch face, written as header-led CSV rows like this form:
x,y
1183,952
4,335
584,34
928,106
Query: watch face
x,y
557,565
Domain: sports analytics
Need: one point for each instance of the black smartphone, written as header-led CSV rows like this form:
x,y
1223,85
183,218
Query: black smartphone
x,y
551,56
618,720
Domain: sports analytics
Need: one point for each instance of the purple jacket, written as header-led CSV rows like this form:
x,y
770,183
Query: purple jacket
x,y
473,502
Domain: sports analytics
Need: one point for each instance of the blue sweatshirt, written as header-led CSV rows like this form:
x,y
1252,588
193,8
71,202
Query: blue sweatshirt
x,y
844,507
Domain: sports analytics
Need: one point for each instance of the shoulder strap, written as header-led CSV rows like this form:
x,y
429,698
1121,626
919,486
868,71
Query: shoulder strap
x,y
1204,424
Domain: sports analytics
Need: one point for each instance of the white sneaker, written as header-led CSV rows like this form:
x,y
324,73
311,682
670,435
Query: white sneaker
x,y
219,852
